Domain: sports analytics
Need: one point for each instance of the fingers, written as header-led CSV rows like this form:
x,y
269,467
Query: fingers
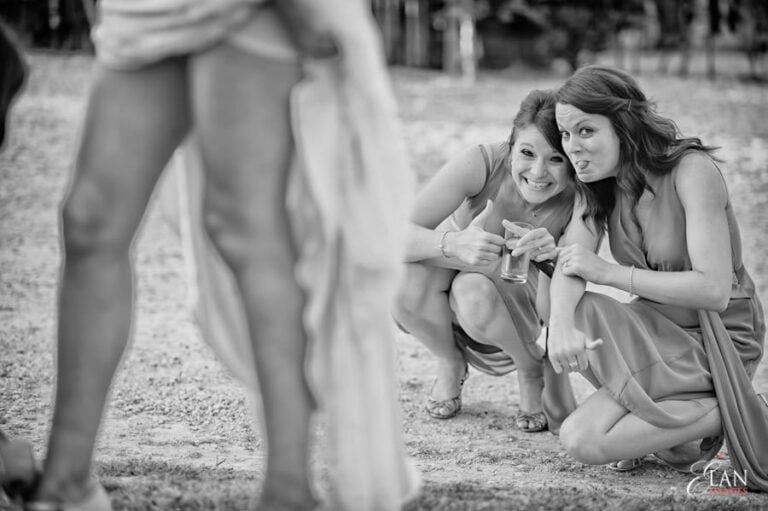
x,y
538,243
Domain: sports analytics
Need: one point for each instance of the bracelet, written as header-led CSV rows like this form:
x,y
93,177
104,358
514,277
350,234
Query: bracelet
x,y
631,273
442,245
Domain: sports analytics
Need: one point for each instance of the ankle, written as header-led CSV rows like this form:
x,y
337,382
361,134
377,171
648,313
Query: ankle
x,y
286,493
63,487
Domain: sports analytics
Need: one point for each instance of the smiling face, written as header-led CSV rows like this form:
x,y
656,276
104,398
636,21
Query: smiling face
x,y
589,141
539,171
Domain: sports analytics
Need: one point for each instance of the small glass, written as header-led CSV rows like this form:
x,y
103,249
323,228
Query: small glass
x,y
514,268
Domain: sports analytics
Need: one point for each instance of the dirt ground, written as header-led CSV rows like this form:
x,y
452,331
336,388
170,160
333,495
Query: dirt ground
x,y
179,433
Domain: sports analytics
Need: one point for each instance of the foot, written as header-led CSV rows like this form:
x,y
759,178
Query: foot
x,y
530,417
689,456
528,422
273,500
445,399
625,465
95,499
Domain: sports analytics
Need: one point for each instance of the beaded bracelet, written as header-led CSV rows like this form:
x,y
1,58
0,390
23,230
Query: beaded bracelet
x,y
442,244
631,273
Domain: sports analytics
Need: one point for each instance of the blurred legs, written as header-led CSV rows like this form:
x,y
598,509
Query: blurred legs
x,y
133,123
241,103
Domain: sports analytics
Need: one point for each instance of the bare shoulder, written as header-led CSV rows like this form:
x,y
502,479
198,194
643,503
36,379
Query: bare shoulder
x,y
698,179
468,168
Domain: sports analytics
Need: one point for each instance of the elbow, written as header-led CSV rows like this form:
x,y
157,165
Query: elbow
x,y
718,296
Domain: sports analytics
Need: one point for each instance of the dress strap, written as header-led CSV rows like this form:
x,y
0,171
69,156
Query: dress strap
x,y
487,161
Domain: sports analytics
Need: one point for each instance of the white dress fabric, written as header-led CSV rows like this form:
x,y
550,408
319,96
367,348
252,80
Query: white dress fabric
x,y
349,192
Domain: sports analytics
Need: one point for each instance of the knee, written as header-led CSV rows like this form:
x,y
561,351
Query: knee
x,y
412,296
89,225
245,245
582,442
475,298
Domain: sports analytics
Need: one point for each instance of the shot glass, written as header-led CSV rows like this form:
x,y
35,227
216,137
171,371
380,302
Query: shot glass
x,y
514,268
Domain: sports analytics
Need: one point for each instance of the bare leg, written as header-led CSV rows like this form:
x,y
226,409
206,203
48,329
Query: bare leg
x,y
601,430
133,123
422,309
241,104
483,314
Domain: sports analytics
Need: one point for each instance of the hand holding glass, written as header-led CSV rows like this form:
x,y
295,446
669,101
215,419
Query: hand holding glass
x,y
514,268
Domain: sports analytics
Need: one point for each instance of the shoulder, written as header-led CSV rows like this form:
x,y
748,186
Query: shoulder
x,y
467,170
698,179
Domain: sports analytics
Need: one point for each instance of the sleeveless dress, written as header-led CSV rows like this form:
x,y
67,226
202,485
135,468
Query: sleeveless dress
x,y
520,299
655,352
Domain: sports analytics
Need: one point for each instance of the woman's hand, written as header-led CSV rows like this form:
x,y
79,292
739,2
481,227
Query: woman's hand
x,y
577,261
567,348
538,243
474,245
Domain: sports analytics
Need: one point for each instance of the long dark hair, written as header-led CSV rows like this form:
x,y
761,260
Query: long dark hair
x,y
538,109
648,142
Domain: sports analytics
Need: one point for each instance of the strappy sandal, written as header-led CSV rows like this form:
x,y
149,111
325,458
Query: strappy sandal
x,y
627,465
536,421
96,500
446,408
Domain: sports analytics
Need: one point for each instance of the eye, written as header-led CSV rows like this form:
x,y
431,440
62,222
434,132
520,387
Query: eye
x,y
585,132
557,159
564,135
527,152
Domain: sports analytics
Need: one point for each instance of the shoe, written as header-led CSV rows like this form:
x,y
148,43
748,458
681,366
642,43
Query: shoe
x,y
627,465
96,500
447,408
708,449
536,421
18,469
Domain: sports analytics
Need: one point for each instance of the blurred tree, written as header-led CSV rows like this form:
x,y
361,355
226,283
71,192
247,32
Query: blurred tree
x,y
749,20
62,24
576,27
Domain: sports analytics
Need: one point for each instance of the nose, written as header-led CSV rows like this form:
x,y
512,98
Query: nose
x,y
538,168
572,146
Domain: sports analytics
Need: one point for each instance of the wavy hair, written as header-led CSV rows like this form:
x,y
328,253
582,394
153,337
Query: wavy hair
x,y
648,142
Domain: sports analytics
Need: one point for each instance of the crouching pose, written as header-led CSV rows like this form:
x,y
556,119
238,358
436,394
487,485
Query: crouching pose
x,y
674,367
454,300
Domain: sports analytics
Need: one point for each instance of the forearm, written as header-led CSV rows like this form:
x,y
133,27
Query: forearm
x,y
565,294
422,244
691,289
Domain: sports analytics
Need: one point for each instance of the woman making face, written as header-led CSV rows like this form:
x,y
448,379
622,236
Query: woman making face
x,y
695,316
453,299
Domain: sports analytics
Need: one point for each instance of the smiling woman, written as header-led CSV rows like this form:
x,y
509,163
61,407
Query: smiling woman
x,y
454,300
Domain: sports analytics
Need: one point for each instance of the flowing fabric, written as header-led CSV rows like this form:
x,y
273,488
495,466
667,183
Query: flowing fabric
x,y
744,413
349,193
656,352
133,33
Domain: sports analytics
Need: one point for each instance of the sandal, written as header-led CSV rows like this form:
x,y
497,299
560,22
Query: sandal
x,y
709,447
536,421
625,465
96,500
447,408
